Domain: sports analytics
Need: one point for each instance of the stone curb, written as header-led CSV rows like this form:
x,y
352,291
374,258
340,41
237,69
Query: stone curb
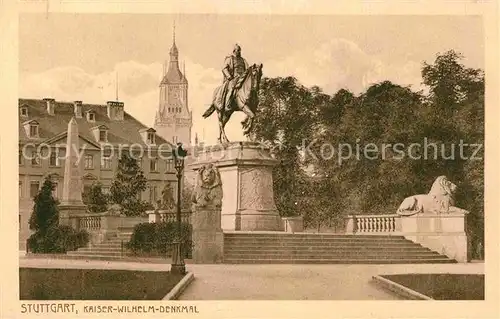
x,y
400,289
176,292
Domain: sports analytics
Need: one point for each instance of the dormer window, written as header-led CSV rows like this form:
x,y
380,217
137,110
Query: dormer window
x,y
103,135
148,135
31,128
151,138
24,110
100,133
91,116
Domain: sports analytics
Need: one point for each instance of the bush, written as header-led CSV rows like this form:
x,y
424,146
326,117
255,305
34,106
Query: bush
x,y
156,238
57,239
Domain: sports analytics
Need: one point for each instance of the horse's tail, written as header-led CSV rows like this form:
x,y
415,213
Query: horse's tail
x,y
209,111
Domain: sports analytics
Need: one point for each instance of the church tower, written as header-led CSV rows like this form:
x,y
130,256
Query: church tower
x,y
174,120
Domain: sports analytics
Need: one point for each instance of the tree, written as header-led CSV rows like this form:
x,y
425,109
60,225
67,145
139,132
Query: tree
x,y
450,82
128,184
49,236
45,209
95,199
285,119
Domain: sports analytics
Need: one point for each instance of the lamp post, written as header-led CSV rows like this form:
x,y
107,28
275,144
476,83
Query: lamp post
x,y
178,265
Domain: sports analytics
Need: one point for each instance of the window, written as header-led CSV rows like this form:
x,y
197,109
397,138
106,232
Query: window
x,y
151,137
170,165
152,194
33,130
54,159
89,162
103,135
106,162
21,190
34,187
91,116
24,111
35,158
153,165
21,157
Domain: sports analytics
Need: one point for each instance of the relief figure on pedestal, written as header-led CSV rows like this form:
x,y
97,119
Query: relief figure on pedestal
x,y
208,191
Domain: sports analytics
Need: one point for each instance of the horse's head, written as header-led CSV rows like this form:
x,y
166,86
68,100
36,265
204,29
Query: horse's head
x,y
255,72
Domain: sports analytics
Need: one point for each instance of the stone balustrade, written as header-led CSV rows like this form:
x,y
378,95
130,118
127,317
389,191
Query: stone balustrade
x,y
443,233
163,216
89,222
373,224
102,226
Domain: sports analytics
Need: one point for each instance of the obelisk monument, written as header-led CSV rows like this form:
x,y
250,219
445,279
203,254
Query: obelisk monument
x,y
71,201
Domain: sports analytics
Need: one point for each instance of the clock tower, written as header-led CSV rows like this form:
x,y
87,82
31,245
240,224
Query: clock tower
x,y
173,120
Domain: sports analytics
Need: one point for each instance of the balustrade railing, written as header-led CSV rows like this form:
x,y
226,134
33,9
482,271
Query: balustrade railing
x,y
90,222
373,223
169,216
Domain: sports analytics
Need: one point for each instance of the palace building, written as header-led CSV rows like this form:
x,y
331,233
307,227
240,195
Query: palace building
x,y
103,131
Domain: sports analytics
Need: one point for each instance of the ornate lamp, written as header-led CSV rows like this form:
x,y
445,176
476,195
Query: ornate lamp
x,y
178,265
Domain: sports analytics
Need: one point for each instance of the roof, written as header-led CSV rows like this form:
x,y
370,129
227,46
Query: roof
x,y
126,131
174,74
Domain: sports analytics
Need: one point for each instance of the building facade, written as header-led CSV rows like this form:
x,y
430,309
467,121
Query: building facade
x,y
104,132
174,120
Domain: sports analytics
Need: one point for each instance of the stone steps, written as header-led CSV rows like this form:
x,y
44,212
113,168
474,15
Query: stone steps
x,y
316,249
338,261
274,248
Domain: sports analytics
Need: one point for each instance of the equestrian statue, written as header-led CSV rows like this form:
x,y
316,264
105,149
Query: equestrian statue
x,y
238,92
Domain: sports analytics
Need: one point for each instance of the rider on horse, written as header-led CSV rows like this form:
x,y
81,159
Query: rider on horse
x,y
234,68
238,92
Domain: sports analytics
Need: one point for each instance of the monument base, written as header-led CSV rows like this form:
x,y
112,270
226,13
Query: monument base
x,y
208,238
443,233
247,184
66,211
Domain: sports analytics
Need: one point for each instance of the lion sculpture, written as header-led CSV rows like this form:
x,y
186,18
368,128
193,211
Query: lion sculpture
x,y
208,190
439,200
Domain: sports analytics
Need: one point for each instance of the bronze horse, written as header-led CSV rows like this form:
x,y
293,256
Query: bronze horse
x,y
245,99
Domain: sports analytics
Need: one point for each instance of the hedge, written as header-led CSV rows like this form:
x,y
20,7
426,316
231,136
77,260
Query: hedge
x,y
57,239
157,238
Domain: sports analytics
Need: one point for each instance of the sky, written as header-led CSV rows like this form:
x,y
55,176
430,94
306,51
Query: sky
x,y
77,56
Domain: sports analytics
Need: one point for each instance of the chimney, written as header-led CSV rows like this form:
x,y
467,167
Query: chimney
x,y
51,103
78,109
115,110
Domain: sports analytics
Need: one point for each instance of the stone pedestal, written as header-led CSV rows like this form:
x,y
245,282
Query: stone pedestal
x,y
443,233
247,183
208,239
293,224
67,213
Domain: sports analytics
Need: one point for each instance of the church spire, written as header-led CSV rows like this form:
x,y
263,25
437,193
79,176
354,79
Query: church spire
x,y
174,53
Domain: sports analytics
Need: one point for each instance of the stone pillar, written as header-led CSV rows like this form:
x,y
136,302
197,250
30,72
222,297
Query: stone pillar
x,y
71,201
247,182
208,238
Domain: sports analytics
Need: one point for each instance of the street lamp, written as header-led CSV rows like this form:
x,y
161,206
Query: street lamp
x,y
178,265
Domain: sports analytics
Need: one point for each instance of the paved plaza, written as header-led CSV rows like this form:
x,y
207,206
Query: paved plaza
x,y
273,282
